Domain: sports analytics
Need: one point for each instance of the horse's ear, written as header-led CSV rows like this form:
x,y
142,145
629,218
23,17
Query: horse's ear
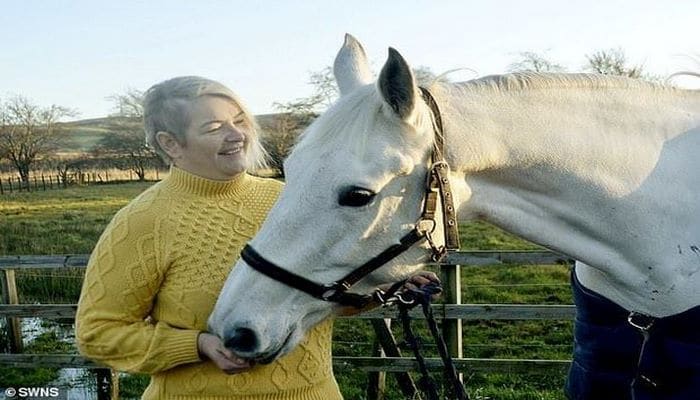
x,y
397,85
351,68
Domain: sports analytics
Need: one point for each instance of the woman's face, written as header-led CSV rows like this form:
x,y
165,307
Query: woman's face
x,y
216,139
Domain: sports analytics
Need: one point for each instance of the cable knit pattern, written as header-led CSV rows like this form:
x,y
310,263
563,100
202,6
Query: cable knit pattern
x,y
153,279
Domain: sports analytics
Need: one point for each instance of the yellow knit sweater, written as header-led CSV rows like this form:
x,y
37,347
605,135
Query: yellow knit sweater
x,y
153,279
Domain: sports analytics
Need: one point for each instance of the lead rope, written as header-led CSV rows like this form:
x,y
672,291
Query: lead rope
x,y
408,300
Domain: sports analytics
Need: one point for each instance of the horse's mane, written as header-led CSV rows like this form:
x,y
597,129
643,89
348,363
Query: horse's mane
x,y
350,128
538,81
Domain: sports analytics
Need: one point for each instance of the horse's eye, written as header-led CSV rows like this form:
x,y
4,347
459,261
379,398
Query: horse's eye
x,y
355,196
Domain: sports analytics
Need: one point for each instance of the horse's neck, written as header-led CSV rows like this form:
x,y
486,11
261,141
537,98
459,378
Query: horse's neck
x,y
582,172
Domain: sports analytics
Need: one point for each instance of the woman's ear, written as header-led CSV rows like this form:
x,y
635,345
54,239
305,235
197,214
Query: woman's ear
x,y
169,144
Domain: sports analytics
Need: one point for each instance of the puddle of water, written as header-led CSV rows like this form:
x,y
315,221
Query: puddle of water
x,y
74,383
78,383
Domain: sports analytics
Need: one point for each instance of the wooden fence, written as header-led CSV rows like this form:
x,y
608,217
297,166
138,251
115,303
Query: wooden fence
x,y
49,182
452,312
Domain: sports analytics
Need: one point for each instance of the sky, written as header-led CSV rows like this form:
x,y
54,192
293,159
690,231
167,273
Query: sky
x,y
78,53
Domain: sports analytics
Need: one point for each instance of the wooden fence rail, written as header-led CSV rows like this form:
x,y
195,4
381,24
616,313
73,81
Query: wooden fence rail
x,y
452,312
478,257
45,182
510,312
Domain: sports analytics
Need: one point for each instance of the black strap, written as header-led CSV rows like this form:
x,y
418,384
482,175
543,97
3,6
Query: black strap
x,y
425,383
336,291
260,264
382,258
422,296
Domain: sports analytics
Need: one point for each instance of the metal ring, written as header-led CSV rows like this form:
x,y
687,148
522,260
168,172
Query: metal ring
x,y
641,321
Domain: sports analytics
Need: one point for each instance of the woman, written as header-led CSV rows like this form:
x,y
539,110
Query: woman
x,y
155,274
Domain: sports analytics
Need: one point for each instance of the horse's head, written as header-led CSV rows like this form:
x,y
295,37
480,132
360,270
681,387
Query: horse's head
x,y
355,184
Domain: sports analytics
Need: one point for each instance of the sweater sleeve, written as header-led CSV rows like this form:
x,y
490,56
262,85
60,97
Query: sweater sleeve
x,y
122,279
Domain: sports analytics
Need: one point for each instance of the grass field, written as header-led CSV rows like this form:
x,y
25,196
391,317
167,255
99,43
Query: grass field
x,y
71,220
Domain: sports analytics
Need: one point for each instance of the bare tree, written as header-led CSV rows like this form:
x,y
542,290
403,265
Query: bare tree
x,y
28,132
128,104
68,169
533,62
425,76
294,116
612,62
292,119
125,146
325,88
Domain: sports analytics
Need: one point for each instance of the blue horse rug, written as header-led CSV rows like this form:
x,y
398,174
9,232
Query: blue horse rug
x,y
620,355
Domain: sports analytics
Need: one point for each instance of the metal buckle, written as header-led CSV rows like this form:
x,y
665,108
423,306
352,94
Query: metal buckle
x,y
641,321
423,228
441,163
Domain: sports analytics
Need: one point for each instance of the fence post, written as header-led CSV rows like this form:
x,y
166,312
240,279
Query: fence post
x,y
9,183
10,296
107,384
452,294
115,384
376,380
382,329
43,182
2,191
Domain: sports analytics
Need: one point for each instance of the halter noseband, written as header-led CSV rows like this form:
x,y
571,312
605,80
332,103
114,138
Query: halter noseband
x,y
337,292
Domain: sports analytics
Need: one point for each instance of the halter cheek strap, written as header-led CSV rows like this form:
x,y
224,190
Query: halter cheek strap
x,y
438,185
439,180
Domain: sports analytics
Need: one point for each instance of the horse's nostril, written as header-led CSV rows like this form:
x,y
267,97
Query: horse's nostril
x,y
243,340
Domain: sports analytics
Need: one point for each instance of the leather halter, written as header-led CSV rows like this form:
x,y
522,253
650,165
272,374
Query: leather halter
x,y
438,184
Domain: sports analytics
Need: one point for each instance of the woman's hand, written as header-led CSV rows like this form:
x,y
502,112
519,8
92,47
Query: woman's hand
x,y
211,347
422,278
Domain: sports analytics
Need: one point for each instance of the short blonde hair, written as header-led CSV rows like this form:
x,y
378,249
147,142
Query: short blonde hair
x,y
165,109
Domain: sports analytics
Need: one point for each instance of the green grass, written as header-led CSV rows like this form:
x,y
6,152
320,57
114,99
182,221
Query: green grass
x,y
69,221
60,221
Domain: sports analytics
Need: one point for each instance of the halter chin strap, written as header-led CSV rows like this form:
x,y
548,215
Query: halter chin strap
x,y
438,185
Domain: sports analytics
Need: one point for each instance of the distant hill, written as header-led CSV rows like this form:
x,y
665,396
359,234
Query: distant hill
x,y
82,136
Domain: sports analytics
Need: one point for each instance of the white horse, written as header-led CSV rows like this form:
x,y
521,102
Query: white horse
x,y
603,169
